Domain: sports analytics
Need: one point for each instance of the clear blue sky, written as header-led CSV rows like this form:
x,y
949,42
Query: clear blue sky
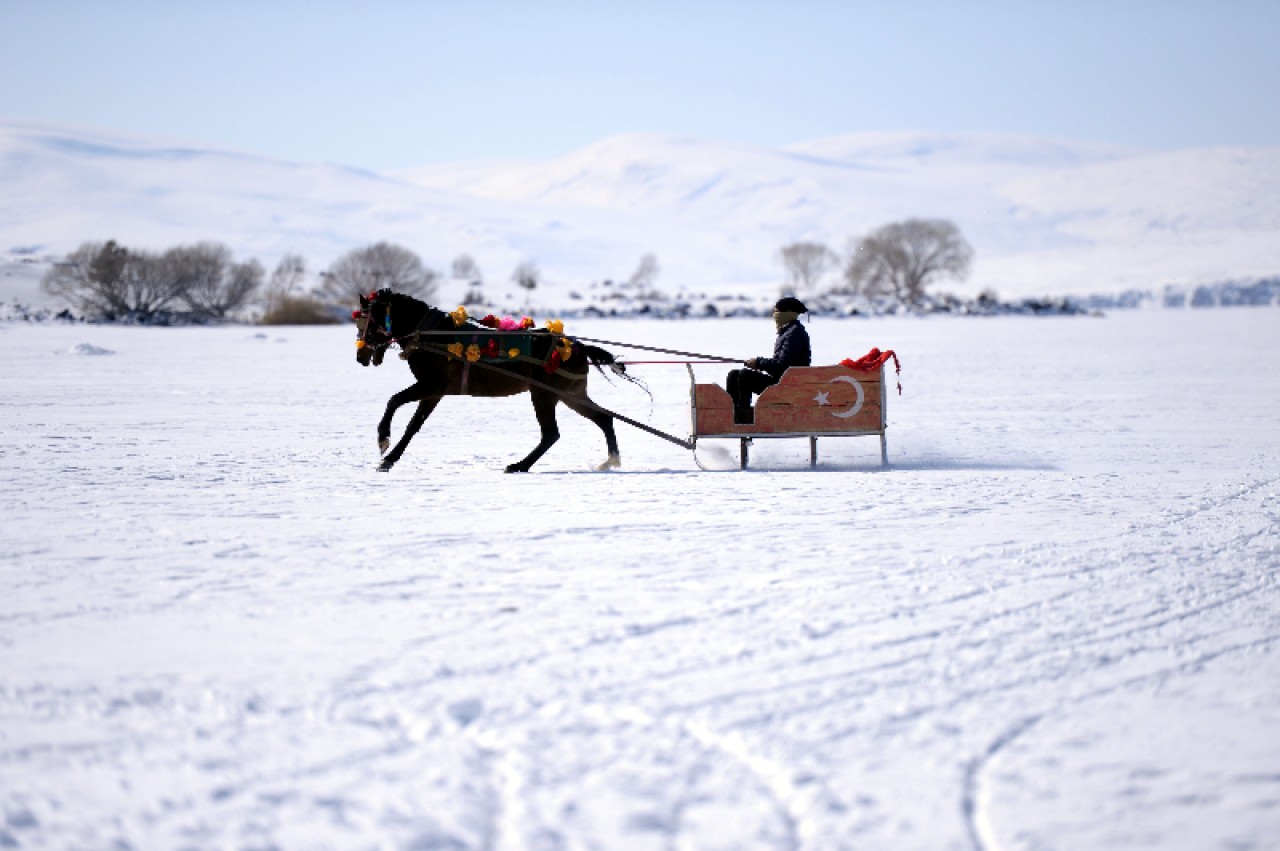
x,y
387,85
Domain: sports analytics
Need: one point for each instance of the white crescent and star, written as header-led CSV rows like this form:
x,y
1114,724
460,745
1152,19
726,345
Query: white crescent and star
x,y
821,398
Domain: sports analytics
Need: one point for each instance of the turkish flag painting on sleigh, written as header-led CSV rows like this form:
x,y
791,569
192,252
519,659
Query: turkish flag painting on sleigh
x,y
847,399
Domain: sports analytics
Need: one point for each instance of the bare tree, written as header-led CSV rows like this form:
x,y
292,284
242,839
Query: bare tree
x,y
91,279
209,281
106,279
284,300
198,271
465,268
526,276
646,272
805,263
242,281
380,266
285,281
902,259
150,283
643,278
107,265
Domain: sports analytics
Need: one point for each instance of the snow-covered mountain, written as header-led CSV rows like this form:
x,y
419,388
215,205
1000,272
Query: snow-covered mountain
x,y
64,186
1045,216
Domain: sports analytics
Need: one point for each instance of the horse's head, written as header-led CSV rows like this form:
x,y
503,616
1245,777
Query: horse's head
x,y
387,317
373,327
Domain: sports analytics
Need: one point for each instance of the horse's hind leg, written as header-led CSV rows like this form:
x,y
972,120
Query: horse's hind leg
x,y
544,407
425,407
605,423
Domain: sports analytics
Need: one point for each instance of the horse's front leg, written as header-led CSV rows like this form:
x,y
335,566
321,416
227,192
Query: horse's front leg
x,y
425,407
412,393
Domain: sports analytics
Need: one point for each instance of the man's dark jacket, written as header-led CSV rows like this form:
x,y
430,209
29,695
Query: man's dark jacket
x,y
791,348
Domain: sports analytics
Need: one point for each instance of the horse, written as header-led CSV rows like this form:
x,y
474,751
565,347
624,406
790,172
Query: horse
x,y
553,369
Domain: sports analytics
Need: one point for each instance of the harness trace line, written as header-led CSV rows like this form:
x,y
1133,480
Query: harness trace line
x,y
482,329
586,403
644,362
698,355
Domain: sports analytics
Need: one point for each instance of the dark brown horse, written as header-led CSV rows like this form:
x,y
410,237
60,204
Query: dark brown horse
x,y
552,368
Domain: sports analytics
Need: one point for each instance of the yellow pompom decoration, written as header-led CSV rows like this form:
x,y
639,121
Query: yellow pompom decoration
x,y
455,349
459,316
513,352
555,326
473,353
359,344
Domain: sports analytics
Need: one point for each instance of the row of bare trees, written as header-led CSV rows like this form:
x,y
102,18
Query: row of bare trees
x,y
384,265
899,260
107,279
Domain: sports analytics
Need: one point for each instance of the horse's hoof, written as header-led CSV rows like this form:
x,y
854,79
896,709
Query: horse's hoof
x,y
383,445
516,468
613,462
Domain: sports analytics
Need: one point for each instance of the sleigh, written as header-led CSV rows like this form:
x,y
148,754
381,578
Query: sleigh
x,y
811,401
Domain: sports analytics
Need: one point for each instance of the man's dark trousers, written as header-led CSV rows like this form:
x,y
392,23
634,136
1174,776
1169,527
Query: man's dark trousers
x,y
742,384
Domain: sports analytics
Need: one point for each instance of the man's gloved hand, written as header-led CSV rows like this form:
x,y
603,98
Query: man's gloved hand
x,y
750,363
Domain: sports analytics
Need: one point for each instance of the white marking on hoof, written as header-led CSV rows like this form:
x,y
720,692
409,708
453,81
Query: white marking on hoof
x,y
613,462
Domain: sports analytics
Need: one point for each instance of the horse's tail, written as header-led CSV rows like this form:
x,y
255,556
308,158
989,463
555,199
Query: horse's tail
x,y
600,358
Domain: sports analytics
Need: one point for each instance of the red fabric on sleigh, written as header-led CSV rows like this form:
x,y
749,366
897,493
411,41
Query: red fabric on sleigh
x,y
875,359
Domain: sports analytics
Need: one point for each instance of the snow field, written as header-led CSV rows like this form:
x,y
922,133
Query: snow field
x,y
1052,624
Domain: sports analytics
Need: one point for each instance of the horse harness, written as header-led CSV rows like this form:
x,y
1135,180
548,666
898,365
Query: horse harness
x,y
474,343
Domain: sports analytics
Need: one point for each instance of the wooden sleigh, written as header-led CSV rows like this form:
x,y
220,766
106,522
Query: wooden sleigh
x,y
809,401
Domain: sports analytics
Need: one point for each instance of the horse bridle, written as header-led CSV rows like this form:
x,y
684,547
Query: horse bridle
x,y
372,341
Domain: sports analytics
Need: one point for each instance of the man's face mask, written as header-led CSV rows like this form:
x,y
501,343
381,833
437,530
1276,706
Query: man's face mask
x,y
781,318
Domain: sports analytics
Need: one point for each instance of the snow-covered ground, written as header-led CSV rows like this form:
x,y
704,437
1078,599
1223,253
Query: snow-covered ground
x,y
1053,623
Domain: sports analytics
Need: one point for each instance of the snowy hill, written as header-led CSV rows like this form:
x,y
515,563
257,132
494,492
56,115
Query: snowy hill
x,y
905,150
1045,216
65,186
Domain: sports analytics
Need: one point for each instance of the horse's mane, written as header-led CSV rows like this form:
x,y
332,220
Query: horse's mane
x,y
407,304
406,300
